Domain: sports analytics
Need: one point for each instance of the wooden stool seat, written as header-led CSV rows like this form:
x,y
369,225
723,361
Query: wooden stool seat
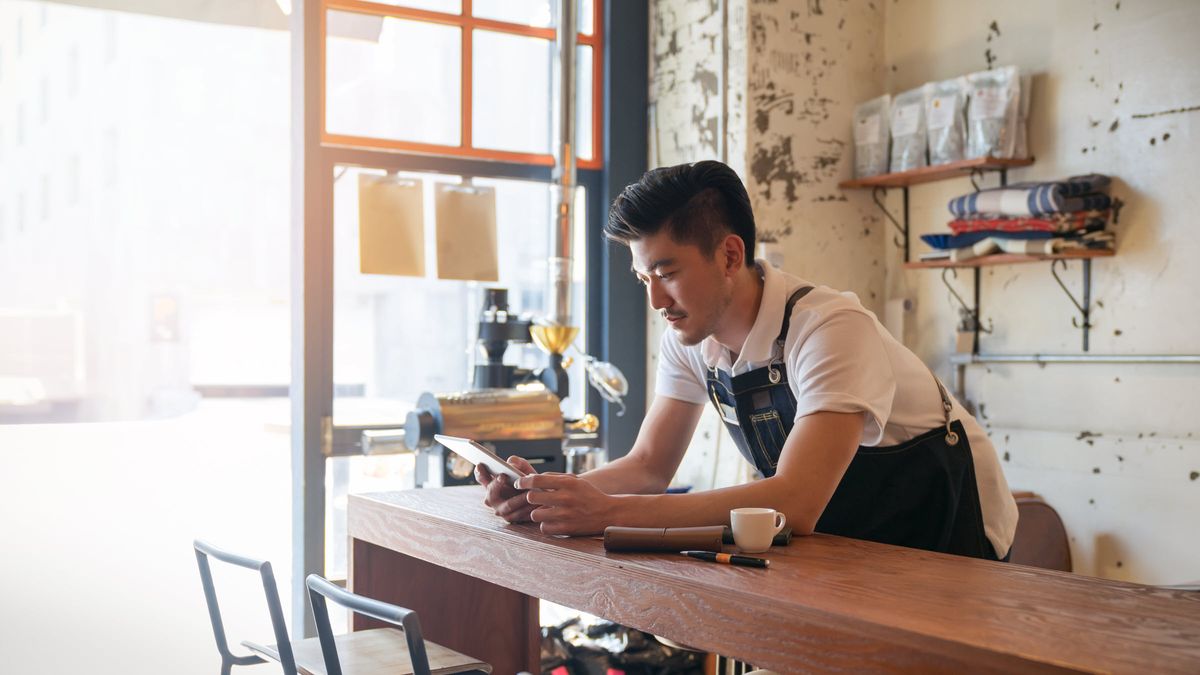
x,y
380,651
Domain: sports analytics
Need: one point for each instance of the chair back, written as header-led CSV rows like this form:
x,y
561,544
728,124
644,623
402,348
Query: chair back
x,y
204,551
1040,540
320,589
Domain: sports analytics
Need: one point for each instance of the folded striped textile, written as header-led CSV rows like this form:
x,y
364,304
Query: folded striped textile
x,y
952,241
1054,222
1078,193
1050,246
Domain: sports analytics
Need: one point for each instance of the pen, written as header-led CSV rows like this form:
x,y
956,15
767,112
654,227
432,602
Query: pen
x,y
727,558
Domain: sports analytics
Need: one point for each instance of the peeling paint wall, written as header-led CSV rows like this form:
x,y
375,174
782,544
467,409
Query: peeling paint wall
x,y
793,72
698,52
809,63
687,80
1115,449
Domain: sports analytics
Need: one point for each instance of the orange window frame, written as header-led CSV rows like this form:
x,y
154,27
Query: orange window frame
x,y
467,24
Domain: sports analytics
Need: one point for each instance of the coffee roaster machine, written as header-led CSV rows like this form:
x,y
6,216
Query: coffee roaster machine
x,y
511,410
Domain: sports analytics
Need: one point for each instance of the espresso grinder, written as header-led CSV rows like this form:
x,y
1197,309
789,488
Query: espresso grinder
x,y
510,410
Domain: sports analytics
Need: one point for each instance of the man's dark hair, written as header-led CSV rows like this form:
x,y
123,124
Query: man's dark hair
x,y
698,204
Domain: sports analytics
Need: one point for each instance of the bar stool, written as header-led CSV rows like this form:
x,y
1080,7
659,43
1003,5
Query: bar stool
x,y
283,654
380,650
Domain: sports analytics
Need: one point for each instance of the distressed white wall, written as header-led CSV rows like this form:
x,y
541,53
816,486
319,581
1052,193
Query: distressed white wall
x,y
1115,449
792,73
698,111
809,63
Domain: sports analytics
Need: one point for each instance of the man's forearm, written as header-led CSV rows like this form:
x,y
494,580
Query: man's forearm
x,y
626,476
712,507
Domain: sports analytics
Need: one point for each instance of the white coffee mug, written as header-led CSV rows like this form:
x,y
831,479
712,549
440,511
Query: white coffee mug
x,y
754,528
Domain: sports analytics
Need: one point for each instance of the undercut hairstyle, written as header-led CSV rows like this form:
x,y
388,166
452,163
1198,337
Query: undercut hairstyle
x,y
698,204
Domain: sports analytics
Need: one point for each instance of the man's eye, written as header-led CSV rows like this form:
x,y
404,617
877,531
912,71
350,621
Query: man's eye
x,y
666,276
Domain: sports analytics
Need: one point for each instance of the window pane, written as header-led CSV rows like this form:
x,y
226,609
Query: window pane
x,y
398,337
511,82
392,78
586,9
445,6
537,13
144,330
383,347
583,102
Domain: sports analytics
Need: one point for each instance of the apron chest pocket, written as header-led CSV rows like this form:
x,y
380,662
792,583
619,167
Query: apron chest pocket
x,y
769,431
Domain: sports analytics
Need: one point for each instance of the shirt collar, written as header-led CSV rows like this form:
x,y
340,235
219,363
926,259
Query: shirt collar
x,y
760,342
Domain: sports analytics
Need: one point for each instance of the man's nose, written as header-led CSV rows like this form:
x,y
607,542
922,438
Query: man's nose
x,y
657,296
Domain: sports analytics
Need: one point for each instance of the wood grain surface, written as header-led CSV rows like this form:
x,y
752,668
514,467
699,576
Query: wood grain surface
x,y
483,620
826,603
928,174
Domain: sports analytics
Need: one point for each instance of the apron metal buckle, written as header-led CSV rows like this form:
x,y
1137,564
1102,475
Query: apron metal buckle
x,y
951,438
773,374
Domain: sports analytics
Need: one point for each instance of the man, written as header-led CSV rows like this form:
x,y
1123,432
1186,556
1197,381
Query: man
x,y
852,434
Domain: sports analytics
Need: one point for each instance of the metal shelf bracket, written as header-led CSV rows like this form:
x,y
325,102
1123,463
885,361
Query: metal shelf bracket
x,y
971,320
901,228
1085,307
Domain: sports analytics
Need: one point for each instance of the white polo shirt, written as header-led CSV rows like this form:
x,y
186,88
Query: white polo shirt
x,y
839,358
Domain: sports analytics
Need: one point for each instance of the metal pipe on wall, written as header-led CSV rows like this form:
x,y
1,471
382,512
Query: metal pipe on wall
x,y
964,359
961,361
559,268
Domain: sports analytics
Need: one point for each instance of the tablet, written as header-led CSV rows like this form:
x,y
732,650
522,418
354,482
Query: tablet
x,y
478,454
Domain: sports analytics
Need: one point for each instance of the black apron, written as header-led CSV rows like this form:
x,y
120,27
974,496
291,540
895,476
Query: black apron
x,y
921,493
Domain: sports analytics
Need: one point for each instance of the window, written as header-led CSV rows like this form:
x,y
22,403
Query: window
x,y
45,197
110,38
73,180
110,157
397,337
144,330
484,80
73,71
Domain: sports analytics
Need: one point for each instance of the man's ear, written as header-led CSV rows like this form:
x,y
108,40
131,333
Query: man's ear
x,y
733,253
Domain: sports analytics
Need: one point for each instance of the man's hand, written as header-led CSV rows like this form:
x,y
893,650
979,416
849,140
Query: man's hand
x,y
567,504
507,501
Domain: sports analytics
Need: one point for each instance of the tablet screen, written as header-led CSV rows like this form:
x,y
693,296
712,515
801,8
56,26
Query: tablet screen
x,y
478,454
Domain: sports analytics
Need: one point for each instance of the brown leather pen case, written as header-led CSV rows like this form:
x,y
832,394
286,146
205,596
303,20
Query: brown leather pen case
x,y
663,538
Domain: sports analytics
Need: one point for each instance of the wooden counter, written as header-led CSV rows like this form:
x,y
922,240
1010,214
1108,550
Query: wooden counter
x,y
826,603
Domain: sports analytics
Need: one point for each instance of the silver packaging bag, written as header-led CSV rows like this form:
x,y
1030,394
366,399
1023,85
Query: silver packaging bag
x,y
1021,149
871,137
945,106
908,130
992,113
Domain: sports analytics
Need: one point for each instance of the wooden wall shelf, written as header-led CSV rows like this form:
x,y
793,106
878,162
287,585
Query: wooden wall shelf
x,y
1012,259
928,174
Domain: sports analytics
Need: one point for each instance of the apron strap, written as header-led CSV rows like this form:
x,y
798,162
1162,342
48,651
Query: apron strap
x,y
787,312
947,406
772,370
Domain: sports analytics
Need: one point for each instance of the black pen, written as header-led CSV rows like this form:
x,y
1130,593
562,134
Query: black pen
x,y
727,558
